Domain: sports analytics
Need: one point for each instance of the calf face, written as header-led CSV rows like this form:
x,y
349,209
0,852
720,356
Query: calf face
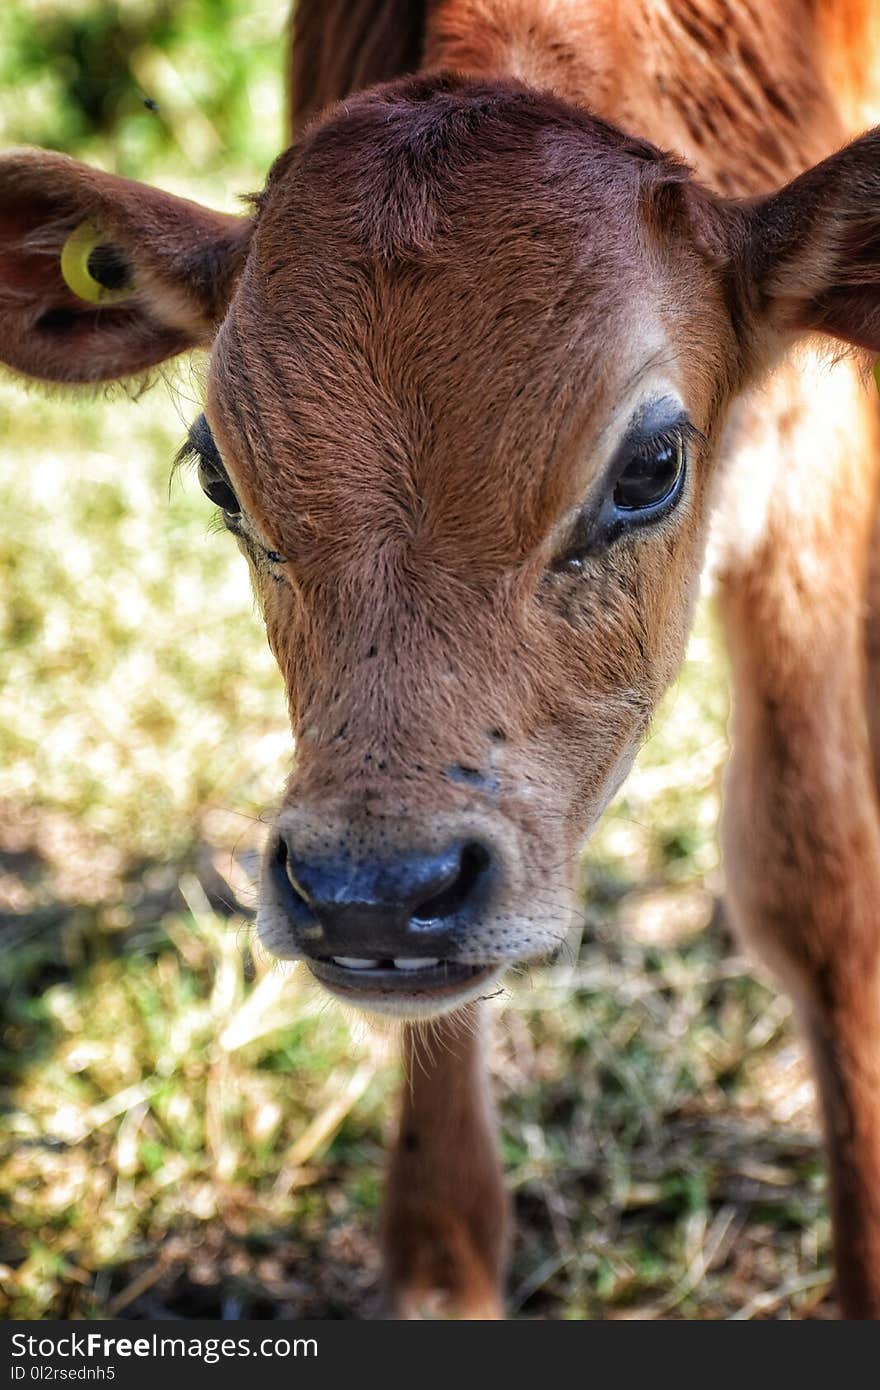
x,y
474,349
450,393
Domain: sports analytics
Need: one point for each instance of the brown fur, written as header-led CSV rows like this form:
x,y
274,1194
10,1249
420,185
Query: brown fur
x,y
453,293
338,49
445,1225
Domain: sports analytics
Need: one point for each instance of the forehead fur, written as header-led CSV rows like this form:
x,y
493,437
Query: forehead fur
x,y
403,152
449,285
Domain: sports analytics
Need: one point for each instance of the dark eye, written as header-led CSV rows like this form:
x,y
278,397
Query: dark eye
x,y
217,488
202,450
652,477
645,482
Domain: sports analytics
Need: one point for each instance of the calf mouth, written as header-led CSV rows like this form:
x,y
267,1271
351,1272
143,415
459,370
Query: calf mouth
x,y
413,987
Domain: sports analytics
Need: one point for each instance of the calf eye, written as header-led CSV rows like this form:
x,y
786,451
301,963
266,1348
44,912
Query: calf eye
x,y
644,483
651,478
201,450
217,488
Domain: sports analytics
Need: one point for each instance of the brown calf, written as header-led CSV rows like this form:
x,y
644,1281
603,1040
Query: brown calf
x,y
482,368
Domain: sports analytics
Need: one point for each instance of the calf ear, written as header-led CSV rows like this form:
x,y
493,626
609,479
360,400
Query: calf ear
x,y
813,250
101,277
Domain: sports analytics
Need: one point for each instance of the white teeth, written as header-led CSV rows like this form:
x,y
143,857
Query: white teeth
x,y
411,963
355,963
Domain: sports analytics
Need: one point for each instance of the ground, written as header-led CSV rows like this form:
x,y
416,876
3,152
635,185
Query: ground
x,y
192,1130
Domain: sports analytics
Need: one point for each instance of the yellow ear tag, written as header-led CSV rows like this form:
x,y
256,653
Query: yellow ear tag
x,y
877,376
79,261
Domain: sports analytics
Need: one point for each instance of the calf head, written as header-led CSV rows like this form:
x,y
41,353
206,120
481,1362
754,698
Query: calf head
x,y
469,358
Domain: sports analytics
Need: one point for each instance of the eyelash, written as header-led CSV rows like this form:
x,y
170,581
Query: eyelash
x,y
199,448
683,434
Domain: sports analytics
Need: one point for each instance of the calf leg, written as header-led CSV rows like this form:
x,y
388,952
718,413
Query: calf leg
x,y
445,1219
802,854
801,830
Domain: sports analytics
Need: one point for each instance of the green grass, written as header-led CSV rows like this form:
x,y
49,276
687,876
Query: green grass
x,y
190,1128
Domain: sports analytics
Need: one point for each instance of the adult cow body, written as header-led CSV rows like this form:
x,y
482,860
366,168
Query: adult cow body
x,y
482,367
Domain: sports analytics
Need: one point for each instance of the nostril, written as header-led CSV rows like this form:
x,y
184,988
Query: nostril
x,y
473,869
285,868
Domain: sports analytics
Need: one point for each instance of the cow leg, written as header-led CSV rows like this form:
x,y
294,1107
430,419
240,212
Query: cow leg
x,y
445,1220
801,829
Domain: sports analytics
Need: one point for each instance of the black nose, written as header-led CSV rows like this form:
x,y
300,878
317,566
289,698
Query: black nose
x,y
413,905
